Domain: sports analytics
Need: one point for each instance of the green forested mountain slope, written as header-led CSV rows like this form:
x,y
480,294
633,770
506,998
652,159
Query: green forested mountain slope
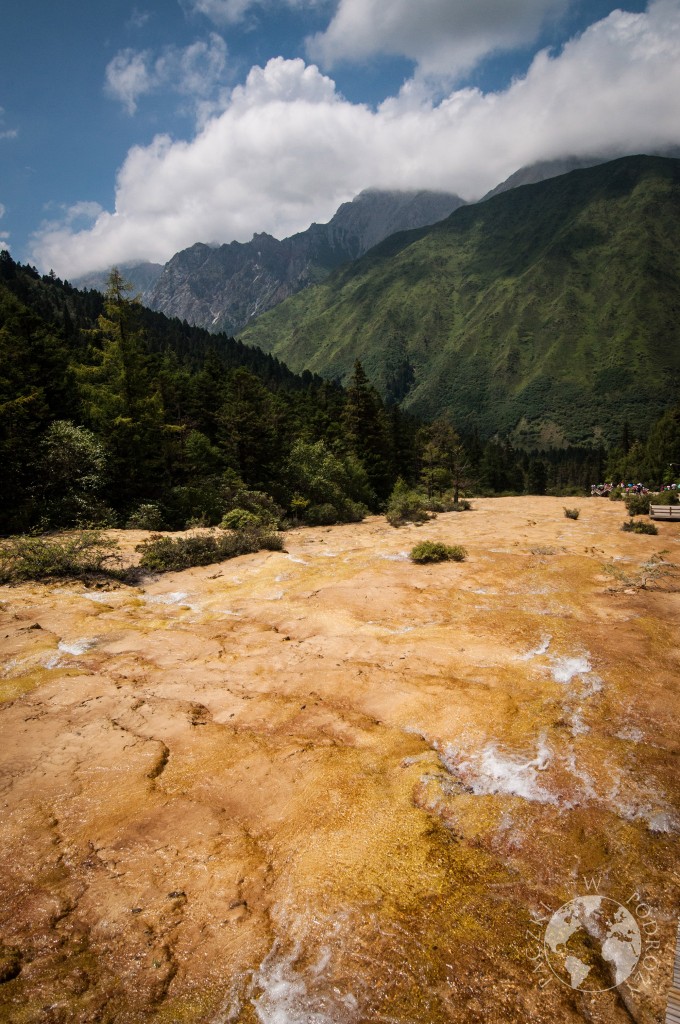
x,y
113,414
550,312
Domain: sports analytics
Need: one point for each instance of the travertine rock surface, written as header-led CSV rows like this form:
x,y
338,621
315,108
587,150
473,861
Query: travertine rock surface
x,y
329,785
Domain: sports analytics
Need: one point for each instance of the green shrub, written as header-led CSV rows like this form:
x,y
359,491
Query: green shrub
x,y
201,502
84,554
665,498
405,505
572,513
327,514
616,494
335,488
447,504
432,551
267,514
321,515
73,465
165,554
148,516
240,519
637,504
633,526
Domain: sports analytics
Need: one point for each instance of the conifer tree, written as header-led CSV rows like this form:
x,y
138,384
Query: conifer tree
x,y
122,402
444,461
368,434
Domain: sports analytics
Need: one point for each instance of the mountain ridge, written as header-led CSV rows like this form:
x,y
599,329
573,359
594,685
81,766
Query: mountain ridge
x,y
518,315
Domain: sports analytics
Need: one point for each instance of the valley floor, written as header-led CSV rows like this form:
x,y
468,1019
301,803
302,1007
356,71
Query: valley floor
x,y
328,785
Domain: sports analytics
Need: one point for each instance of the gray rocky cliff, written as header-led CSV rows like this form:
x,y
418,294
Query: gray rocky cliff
x,y
222,288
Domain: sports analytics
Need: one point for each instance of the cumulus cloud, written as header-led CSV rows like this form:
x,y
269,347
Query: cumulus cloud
x,y
196,71
443,37
288,148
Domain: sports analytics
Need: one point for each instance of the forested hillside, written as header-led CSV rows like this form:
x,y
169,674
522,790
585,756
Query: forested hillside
x,y
113,415
549,314
110,413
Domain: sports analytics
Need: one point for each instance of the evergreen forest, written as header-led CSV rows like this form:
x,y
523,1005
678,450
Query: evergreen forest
x,y
114,415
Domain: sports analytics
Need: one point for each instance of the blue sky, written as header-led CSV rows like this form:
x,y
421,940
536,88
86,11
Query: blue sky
x,y
131,130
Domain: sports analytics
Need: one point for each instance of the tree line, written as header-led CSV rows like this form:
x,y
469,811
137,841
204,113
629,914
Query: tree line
x,y
113,415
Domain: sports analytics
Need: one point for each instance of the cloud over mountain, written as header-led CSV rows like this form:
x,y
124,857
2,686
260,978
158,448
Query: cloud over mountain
x,y
287,148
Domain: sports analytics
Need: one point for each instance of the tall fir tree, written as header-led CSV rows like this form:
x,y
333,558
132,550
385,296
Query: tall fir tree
x,y
368,433
123,403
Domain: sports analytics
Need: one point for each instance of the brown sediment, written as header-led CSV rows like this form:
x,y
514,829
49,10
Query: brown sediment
x,y
338,780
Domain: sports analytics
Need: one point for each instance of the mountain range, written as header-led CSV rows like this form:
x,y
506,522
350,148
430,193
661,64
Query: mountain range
x,y
223,287
549,313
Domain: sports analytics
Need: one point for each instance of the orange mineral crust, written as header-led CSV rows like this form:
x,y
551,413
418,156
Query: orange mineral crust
x,y
331,786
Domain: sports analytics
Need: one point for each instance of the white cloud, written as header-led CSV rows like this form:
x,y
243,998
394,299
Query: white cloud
x,y
4,235
196,71
287,149
221,12
138,19
128,77
444,37
6,133
229,12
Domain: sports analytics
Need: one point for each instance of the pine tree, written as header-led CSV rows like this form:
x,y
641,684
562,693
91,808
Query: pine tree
x,y
444,460
368,434
123,403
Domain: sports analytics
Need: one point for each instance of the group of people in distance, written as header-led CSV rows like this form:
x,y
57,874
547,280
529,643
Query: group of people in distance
x,y
604,490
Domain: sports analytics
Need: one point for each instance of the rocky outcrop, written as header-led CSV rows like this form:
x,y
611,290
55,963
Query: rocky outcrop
x,y
222,288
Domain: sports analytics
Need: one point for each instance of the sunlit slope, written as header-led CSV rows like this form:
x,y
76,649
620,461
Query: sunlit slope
x,y
551,311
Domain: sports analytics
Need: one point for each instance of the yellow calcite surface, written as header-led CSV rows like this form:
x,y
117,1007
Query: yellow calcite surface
x,y
329,785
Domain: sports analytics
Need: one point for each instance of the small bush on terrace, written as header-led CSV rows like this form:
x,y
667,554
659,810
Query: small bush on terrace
x,y
86,553
405,505
447,504
572,513
241,519
165,554
656,573
250,510
637,504
634,526
665,498
147,516
432,551
326,487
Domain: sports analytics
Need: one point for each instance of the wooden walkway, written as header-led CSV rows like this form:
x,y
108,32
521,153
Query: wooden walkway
x,y
673,1011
